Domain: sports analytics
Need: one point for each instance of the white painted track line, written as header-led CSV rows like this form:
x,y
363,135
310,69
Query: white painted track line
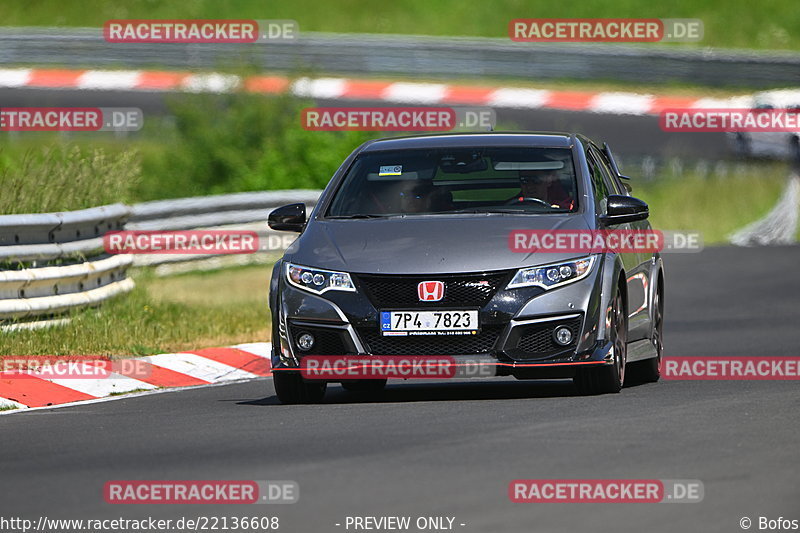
x,y
114,383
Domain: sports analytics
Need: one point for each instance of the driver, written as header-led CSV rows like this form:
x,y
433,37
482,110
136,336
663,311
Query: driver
x,y
543,185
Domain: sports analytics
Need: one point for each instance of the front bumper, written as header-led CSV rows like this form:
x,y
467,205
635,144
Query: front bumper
x,y
515,336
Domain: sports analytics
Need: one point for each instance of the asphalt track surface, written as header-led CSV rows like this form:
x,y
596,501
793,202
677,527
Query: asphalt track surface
x,y
628,135
425,449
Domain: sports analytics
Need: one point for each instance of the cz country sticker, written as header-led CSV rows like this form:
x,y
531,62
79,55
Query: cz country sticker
x,y
392,170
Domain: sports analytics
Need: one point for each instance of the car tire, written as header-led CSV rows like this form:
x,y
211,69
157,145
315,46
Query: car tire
x,y
364,385
649,371
291,388
608,378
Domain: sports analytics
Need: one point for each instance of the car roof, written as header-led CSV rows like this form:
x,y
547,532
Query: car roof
x,y
468,140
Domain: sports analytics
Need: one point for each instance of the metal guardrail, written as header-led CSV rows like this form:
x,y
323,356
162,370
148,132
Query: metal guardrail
x,y
55,262
50,236
414,56
207,211
38,291
240,211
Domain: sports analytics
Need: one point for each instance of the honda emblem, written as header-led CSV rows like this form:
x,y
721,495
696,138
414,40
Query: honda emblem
x,y
430,291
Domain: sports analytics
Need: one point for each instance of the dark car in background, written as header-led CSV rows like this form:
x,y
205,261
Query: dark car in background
x,y
418,227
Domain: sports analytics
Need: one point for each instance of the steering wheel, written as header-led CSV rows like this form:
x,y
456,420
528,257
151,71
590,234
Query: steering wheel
x,y
527,199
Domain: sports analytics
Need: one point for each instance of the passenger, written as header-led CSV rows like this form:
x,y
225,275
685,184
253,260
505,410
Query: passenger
x,y
424,197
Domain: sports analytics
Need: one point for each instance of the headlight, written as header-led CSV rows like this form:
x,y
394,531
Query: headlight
x,y
554,275
318,281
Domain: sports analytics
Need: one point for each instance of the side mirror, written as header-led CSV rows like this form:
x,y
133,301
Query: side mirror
x,y
622,209
290,217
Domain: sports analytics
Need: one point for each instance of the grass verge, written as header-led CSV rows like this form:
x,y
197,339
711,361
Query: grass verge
x,y
712,204
39,178
728,23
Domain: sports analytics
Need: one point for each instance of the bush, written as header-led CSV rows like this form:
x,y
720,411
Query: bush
x,y
240,142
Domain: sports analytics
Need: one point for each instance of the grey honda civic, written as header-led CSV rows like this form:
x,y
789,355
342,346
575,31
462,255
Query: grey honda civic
x,y
420,246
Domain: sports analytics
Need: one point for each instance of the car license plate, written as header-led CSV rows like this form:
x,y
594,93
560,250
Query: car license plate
x,y
445,322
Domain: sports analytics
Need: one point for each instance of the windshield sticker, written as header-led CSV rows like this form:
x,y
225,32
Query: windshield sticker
x,y
391,170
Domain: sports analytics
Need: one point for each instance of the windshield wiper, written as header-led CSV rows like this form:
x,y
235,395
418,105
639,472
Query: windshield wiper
x,y
497,210
359,215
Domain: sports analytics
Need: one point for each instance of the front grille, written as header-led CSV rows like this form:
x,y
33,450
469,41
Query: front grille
x,y
482,342
536,340
328,341
461,290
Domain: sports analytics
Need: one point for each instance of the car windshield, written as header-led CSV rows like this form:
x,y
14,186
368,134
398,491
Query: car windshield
x,y
461,180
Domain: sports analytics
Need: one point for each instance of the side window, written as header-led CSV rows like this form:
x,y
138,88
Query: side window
x,y
598,183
